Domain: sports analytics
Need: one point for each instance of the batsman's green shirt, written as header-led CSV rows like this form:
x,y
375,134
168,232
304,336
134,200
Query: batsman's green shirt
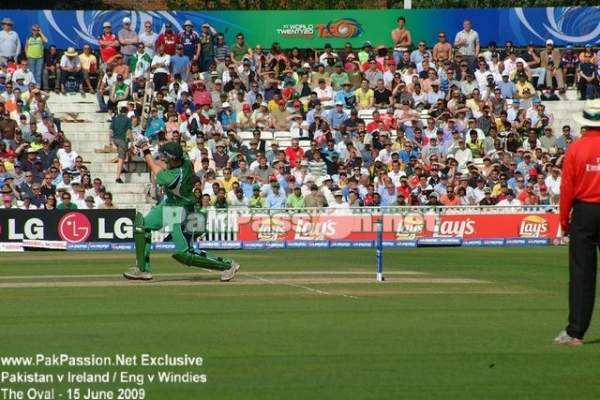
x,y
177,184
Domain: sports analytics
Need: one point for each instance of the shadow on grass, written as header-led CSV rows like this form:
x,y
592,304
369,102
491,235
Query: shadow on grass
x,y
595,341
199,278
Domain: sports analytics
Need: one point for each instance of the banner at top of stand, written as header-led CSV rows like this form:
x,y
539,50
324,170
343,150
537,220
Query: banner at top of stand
x,y
315,28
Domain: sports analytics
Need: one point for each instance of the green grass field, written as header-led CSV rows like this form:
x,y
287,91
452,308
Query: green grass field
x,y
448,323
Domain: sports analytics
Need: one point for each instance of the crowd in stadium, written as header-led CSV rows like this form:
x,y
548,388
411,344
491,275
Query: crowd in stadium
x,y
452,123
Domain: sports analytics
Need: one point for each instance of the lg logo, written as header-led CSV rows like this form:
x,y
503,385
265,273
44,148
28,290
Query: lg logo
x,y
74,227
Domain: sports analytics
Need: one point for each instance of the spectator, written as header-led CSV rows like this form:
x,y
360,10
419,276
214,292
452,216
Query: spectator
x,y
70,66
66,202
10,44
107,204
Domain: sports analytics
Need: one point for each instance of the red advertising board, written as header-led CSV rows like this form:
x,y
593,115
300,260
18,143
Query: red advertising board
x,y
398,226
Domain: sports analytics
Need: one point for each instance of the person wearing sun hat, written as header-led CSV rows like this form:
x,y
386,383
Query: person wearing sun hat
x,y
579,219
10,44
70,67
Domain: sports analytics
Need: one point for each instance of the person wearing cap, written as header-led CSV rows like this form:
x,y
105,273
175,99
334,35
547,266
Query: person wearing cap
x,y
128,39
468,86
552,54
10,44
276,197
119,91
579,216
296,199
108,42
190,42
299,128
586,76
108,80
324,93
256,200
179,198
70,67
245,120
338,76
207,42
328,57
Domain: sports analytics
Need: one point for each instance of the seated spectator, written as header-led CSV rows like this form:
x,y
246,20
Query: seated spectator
x,y
66,203
107,204
70,66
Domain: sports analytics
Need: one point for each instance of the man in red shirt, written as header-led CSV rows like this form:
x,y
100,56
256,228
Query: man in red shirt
x,y
580,218
294,151
109,44
168,39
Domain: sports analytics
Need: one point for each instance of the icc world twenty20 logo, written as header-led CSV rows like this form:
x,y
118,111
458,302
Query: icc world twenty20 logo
x,y
344,28
341,28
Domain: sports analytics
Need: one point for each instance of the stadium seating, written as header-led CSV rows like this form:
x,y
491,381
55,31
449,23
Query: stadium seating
x,y
88,132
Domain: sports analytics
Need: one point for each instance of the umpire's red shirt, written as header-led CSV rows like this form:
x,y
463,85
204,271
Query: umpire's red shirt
x,y
581,173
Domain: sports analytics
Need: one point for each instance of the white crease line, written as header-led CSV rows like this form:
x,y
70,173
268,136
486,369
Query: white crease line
x,y
296,286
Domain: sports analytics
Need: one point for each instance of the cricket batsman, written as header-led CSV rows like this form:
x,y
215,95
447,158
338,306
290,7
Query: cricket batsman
x,y
175,177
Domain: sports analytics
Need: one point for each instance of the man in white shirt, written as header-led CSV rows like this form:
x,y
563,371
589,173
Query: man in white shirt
x,y
510,201
148,38
67,155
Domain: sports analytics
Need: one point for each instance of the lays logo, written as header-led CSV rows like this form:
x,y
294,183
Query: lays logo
x,y
271,229
345,28
411,228
533,226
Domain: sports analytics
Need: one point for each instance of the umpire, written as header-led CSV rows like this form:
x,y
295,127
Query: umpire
x,y
580,219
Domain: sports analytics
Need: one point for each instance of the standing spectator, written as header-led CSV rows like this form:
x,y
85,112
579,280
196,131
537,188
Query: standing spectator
x,y
128,39
221,50
34,50
168,39
240,49
467,43
10,44
140,63
579,218
160,66
207,43
148,38
108,42
401,38
586,78
180,64
190,42
118,133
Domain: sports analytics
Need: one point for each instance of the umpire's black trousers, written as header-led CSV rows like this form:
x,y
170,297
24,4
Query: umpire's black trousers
x,y
583,256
